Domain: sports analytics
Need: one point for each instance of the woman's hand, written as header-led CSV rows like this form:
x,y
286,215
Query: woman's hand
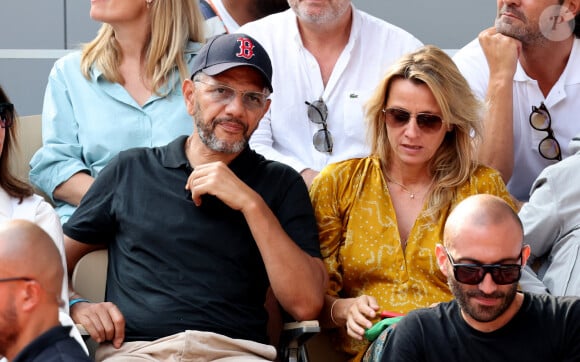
x,y
359,315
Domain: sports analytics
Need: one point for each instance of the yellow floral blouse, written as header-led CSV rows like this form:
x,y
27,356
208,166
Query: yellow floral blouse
x,y
361,246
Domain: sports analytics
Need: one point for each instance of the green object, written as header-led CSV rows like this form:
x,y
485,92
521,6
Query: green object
x,y
372,333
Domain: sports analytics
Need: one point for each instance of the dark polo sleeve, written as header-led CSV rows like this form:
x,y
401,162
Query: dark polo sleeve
x,y
293,208
93,221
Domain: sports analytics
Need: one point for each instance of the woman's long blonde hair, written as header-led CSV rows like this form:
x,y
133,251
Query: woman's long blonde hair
x,y
454,161
173,24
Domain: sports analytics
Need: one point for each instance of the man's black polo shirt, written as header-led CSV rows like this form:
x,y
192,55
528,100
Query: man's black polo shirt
x,y
174,266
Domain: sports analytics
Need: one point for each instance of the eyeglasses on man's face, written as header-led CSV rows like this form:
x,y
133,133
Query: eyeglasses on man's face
x,y
474,273
6,115
427,122
541,120
318,113
225,94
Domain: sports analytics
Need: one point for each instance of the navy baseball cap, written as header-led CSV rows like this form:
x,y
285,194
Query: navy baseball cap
x,y
228,51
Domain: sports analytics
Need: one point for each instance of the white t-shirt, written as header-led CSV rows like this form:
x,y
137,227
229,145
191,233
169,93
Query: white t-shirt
x,y
563,103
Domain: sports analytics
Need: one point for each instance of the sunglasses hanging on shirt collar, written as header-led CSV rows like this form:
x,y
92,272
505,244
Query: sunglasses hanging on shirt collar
x,y
318,113
541,120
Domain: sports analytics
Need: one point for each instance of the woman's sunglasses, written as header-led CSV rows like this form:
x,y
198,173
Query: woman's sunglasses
x,y
473,274
427,122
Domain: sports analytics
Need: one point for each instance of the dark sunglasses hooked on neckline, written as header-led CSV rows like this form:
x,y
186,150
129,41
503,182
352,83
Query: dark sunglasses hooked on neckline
x,y
473,274
317,114
541,120
427,122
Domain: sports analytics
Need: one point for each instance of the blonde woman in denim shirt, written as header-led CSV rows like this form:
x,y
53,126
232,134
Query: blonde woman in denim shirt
x,y
122,91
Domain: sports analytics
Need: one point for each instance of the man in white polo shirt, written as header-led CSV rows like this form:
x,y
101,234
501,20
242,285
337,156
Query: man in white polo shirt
x,y
527,69
327,57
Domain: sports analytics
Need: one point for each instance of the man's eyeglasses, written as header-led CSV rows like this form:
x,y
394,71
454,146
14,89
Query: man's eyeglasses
x,y
225,94
318,113
473,274
427,122
541,120
6,115
14,279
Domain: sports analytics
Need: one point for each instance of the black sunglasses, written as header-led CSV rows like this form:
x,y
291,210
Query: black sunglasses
x,y
318,113
473,274
6,115
541,120
427,122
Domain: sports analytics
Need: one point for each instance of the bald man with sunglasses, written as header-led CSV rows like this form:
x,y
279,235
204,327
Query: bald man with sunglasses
x,y
489,319
30,295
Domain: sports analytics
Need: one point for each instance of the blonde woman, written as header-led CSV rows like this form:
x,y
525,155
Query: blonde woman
x,y
380,217
122,91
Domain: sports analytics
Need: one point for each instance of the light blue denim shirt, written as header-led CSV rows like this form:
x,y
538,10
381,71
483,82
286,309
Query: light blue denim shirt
x,y
85,123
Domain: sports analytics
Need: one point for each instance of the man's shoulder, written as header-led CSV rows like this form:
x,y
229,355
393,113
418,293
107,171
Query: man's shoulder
x,y
575,54
548,302
130,153
551,310
472,64
470,52
55,345
166,153
132,156
561,173
374,24
436,311
433,318
268,23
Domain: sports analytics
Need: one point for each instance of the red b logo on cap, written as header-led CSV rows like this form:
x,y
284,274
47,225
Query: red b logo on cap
x,y
246,48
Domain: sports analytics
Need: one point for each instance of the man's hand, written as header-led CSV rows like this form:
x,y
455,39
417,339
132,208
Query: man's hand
x,y
103,321
502,53
217,179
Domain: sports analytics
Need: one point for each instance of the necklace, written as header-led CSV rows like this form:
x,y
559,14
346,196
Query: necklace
x,y
404,188
411,193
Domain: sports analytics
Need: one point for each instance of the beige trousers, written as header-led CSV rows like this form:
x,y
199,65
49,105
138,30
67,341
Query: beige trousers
x,y
188,346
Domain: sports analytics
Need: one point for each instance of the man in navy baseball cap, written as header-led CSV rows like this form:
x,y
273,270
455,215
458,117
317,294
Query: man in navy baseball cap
x,y
214,225
227,51
227,66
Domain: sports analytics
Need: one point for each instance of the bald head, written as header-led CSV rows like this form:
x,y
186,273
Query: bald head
x,y
28,251
32,298
479,212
